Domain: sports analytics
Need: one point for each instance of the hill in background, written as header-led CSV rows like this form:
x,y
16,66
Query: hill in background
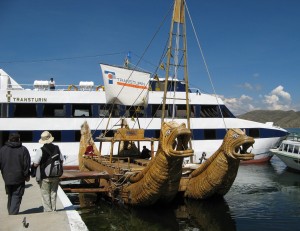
x,y
284,119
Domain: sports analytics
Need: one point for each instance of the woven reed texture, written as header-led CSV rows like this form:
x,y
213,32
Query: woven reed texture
x,y
216,175
86,139
159,181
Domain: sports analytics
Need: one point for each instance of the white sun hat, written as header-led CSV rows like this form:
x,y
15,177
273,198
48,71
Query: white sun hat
x,y
46,138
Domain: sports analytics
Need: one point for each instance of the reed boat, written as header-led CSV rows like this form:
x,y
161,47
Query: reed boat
x,y
143,182
31,108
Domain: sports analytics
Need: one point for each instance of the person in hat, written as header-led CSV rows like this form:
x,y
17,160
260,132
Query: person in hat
x,y
15,168
48,185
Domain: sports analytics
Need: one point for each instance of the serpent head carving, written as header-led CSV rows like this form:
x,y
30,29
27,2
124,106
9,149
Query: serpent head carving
x,y
175,139
237,144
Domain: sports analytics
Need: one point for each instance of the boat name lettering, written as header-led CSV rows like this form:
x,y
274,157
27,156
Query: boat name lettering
x,y
129,81
29,100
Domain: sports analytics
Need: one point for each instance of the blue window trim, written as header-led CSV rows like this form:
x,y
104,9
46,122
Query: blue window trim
x,y
197,134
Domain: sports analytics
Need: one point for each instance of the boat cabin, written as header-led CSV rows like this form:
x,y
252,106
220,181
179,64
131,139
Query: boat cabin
x,y
291,147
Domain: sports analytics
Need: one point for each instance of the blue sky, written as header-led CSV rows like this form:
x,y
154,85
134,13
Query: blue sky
x,y
251,47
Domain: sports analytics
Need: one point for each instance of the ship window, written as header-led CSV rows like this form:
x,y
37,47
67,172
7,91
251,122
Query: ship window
x,y
157,110
135,111
157,134
157,86
54,110
82,110
110,133
3,137
105,110
226,113
26,136
56,135
209,111
25,110
77,136
209,134
254,132
296,149
192,111
4,110
181,111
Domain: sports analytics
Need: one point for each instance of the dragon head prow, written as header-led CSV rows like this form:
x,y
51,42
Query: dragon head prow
x,y
175,139
236,144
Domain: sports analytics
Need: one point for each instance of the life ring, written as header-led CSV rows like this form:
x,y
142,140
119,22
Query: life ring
x,y
72,87
100,87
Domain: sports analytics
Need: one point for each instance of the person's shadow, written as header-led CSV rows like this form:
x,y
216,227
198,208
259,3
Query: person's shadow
x,y
40,209
33,210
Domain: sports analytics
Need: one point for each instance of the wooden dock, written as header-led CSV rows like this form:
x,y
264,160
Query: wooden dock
x,y
83,187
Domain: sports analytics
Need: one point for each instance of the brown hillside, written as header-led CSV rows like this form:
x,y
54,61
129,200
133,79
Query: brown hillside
x,y
284,119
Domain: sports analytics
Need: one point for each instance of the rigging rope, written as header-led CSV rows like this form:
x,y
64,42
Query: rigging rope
x,y
205,64
135,68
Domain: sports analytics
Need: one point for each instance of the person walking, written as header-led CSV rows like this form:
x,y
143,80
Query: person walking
x,y
48,185
15,168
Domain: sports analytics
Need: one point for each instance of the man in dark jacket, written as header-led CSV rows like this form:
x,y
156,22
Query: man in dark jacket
x,y
15,169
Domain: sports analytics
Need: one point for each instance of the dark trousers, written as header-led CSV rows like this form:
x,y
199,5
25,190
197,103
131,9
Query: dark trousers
x,y
15,194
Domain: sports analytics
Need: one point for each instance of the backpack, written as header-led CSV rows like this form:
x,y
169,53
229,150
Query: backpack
x,y
53,166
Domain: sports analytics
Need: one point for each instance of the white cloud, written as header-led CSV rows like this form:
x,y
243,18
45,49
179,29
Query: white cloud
x,y
239,105
280,92
250,87
278,99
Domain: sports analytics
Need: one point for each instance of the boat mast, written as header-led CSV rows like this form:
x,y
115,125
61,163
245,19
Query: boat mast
x,y
179,18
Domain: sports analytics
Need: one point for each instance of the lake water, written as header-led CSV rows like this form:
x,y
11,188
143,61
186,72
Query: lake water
x,y
263,197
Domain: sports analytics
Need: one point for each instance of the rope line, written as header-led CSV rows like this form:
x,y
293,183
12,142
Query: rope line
x,y
205,64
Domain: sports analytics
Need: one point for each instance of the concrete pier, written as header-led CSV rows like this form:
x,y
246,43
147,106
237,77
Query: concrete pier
x,y
66,218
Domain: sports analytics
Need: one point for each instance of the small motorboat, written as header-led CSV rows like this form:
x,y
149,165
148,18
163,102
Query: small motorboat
x,y
289,153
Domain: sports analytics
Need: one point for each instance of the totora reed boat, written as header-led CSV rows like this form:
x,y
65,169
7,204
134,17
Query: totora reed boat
x,y
31,108
136,181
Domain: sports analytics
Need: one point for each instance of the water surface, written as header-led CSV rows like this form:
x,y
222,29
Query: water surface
x,y
263,197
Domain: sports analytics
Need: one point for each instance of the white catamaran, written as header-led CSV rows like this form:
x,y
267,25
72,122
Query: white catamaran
x,y
31,109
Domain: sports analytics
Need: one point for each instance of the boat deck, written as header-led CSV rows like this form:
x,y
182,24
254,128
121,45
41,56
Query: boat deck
x,y
121,162
118,165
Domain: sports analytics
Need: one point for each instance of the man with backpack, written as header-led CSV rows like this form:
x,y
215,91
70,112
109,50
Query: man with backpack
x,y
15,169
49,160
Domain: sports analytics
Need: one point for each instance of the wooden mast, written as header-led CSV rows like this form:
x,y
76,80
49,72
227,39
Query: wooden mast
x,y
168,64
179,18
